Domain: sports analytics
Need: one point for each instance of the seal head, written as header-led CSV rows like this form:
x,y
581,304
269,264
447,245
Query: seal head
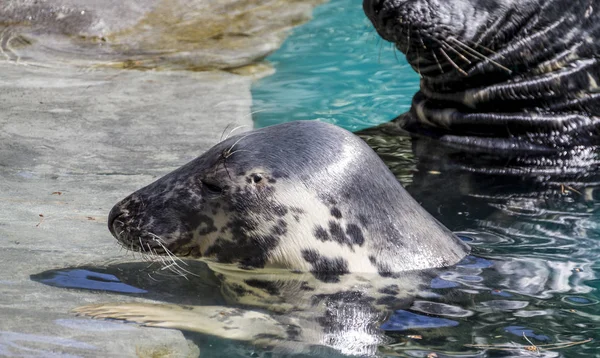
x,y
302,196
499,74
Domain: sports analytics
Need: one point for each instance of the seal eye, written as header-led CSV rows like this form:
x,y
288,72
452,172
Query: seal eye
x,y
257,178
211,187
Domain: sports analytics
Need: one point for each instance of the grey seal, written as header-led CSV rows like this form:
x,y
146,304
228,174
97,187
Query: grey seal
x,y
303,196
499,75
312,237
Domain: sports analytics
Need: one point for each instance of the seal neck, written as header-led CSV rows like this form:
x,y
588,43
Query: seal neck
x,y
543,88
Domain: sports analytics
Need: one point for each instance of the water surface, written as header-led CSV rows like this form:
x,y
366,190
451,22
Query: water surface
x,y
336,69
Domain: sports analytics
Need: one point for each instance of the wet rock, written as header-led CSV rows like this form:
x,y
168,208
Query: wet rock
x,y
173,34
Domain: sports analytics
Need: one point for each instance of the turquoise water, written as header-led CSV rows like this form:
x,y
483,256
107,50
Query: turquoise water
x,y
335,69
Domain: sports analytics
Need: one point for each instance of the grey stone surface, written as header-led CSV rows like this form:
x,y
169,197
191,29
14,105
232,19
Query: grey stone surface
x,y
180,34
73,143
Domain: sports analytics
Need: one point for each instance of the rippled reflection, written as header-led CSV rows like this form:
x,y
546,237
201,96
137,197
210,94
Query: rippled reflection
x,y
535,239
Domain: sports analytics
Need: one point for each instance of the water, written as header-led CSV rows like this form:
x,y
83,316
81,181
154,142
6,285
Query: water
x,y
335,69
533,279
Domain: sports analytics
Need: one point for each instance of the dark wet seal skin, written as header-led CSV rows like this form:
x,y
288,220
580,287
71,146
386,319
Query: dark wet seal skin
x,y
499,75
301,196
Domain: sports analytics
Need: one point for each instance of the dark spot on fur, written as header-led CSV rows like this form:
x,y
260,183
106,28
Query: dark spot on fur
x,y
280,210
297,218
281,228
355,234
372,259
272,181
297,210
265,245
336,213
250,251
337,233
324,268
321,234
205,225
363,220
390,290
310,255
268,286
218,249
249,180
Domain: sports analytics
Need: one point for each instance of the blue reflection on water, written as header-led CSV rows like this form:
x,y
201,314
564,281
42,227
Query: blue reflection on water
x,y
402,320
520,331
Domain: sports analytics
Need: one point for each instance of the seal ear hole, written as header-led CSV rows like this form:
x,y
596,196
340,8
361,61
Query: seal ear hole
x,y
257,178
211,187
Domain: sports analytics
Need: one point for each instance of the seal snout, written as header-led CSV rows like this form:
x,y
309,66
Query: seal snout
x,y
114,214
401,21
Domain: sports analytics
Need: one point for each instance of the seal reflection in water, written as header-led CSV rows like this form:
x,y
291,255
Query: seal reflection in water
x,y
499,75
313,239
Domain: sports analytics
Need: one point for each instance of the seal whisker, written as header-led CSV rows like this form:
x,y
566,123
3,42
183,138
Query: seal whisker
x,y
437,61
164,265
168,252
239,150
452,62
492,52
235,129
223,133
479,54
152,278
449,47
227,153
174,260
